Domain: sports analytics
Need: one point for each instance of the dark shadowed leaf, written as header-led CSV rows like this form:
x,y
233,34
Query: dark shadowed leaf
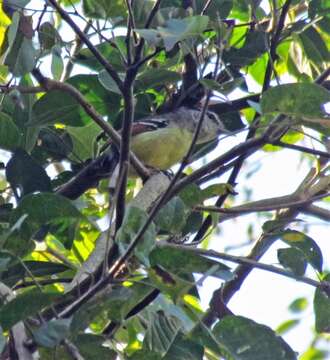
x,y
172,216
314,47
83,139
156,77
3,340
50,334
181,261
303,100
86,58
245,339
104,9
24,305
22,56
17,271
114,305
164,340
26,175
217,9
306,245
56,107
134,219
254,46
91,347
48,35
46,207
293,259
10,138
322,309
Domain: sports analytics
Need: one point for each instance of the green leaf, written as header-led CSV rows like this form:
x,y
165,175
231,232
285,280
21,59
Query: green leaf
x,y
59,107
104,9
183,349
217,9
113,305
46,207
107,81
54,142
22,115
103,102
322,309
164,340
21,58
83,139
3,340
51,333
191,195
86,58
91,347
244,339
180,261
134,219
298,305
193,223
141,10
57,64
161,332
25,174
10,137
172,216
318,8
293,259
156,77
287,326
16,271
302,100
254,46
314,47
48,35
306,245
25,305
175,30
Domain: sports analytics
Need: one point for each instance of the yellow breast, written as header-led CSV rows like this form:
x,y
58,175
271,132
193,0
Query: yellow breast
x,y
162,148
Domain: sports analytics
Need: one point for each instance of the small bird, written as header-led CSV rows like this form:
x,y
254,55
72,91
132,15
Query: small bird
x,y
159,141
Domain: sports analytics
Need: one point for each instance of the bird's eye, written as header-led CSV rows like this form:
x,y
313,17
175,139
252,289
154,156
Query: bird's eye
x,y
213,117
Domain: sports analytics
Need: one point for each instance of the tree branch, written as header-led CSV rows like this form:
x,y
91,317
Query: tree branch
x,y
49,85
252,263
98,55
271,204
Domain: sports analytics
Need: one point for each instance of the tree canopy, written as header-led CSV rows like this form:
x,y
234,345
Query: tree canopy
x,y
92,273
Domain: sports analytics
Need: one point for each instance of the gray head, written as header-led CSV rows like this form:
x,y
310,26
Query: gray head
x,y
212,127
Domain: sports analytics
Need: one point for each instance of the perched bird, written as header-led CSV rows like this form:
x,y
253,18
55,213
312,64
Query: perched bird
x,y
159,141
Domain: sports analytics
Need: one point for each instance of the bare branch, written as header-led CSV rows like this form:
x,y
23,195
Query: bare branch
x,y
100,58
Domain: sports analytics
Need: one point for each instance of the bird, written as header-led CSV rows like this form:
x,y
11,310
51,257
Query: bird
x,y
159,141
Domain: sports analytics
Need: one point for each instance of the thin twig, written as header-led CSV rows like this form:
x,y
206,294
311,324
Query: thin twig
x,y
253,263
49,85
283,202
273,44
321,213
302,149
77,47
98,55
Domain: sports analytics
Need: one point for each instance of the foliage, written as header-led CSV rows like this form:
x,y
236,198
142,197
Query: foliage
x,y
88,273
